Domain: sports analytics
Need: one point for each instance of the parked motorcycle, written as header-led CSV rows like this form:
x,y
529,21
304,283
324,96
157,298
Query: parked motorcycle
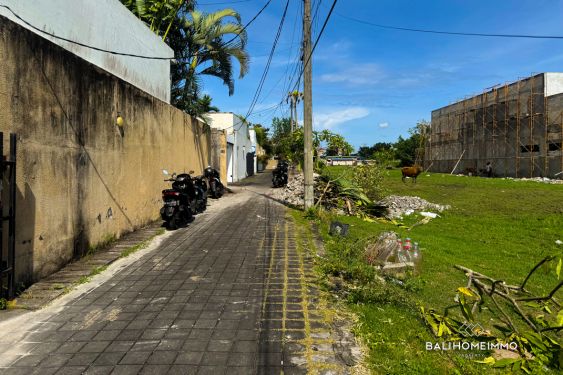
x,y
177,209
279,174
200,187
185,199
216,188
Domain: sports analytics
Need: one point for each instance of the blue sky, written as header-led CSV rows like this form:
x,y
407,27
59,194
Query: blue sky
x,y
372,85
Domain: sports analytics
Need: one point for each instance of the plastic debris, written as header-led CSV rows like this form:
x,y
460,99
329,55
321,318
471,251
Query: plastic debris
x,y
429,214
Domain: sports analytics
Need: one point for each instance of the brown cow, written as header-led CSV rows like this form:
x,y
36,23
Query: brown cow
x,y
411,172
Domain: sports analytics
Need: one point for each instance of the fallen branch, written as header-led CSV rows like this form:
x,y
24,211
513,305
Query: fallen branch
x,y
546,259
544,298
322,194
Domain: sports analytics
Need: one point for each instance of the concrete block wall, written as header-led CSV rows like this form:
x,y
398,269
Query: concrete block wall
x,y
81,178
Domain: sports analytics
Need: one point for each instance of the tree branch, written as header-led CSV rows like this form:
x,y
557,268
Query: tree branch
x,y
546,259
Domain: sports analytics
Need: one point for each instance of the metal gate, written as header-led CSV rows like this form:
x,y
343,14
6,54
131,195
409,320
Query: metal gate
x,y
8,255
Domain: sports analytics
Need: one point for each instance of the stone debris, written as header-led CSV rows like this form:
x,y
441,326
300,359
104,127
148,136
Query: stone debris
x,y
397,205
293,193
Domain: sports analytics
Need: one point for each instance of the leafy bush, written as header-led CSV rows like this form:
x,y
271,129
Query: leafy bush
x,y
369,177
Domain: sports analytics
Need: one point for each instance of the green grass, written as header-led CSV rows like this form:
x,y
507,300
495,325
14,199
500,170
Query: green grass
x,y
498,227
104,243
134,249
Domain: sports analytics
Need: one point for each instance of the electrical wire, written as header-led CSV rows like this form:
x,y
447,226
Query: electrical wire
x,y
267,68
250,22
316,42
428,31
83,44
288,60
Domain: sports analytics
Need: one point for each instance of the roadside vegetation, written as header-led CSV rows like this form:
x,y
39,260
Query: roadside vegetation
x,y
498,227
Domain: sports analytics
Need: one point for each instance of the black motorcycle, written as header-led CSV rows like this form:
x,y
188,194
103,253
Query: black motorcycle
x,y
177,208
279,174
185,199
200,187
216,188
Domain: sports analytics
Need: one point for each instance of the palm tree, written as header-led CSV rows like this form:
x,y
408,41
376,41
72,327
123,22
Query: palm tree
x,y
159,15
207,53
203,44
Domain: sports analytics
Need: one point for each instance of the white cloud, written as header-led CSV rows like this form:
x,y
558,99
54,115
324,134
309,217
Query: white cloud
x,y
383,124
329,120
359,74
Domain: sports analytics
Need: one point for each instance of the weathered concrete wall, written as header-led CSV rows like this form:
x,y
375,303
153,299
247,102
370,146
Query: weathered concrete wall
x,y
81,178
516,127
218,159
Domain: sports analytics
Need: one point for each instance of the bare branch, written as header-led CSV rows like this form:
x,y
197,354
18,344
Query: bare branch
x,y
546,259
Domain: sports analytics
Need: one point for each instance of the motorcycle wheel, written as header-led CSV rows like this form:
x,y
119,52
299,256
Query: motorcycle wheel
x,y
203,205
173,223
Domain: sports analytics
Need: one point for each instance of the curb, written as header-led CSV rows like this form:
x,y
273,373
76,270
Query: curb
x,y
77,272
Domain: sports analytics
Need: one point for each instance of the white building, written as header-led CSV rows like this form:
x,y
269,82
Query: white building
x,y
241,144
104,24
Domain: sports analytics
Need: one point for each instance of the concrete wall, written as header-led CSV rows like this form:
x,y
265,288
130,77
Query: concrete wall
x,y
218,158
515,127
80,177
105,24
239,136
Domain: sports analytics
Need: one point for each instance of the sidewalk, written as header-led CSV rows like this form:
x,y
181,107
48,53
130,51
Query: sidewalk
x,y
50,288
232,293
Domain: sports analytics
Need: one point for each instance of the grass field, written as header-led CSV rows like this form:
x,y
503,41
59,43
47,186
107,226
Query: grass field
x,y
498,227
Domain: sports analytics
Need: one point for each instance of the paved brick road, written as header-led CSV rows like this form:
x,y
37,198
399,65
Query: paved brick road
x,y
229,294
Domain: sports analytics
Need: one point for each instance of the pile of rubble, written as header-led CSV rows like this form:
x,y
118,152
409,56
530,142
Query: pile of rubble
x,y
293,193
397,205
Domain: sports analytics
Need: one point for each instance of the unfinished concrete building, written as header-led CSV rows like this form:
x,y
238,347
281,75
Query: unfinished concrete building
x,y
518,127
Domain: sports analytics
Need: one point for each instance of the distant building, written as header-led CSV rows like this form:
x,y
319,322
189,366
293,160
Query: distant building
x,y
344,160
241,144
518,127
321,152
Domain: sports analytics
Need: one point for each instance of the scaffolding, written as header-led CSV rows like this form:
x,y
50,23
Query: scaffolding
x,y
515,132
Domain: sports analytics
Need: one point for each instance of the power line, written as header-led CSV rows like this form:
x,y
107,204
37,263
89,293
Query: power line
x,y
428,31
265,73
83,44
267,68
284,75
250,22
316,42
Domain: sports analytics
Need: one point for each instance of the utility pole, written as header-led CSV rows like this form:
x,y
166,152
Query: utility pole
x,y
308,106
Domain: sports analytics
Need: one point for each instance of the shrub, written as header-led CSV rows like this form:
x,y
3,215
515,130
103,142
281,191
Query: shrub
x,y
370,178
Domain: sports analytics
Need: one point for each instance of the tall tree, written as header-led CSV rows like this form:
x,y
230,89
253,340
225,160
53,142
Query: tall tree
x,y
411,150
204,44
159,15
336,144
212,45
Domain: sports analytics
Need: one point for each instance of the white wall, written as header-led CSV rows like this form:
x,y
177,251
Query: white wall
x,y
553,83
240,136
105,24
254,147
